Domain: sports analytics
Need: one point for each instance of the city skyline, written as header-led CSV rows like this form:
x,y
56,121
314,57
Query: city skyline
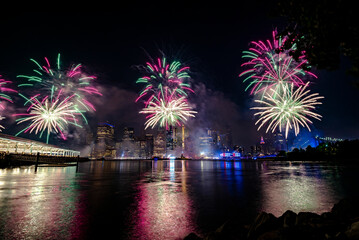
x,y
113,46
168,121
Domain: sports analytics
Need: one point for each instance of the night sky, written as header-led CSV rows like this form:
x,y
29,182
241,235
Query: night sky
x,y
210,41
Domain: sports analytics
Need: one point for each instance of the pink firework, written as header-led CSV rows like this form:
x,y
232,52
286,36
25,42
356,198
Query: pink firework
x,y
270,66
164,80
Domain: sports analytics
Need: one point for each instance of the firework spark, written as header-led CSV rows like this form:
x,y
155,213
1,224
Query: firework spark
x,y
52,116
5,90
164,80
269,66
288,110
1,126
52,78
167,113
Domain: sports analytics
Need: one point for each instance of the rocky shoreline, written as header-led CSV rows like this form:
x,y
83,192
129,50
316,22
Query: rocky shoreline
x,y
342,222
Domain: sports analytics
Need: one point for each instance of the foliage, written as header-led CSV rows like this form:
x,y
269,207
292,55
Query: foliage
x,y
341,150
323,30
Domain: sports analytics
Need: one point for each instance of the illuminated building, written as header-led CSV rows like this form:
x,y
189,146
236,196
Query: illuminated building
x,y
11,144
208,143
128,134
171,138
126,148
140,148
149,145
131,147
159,145
105,144
279,142
264,146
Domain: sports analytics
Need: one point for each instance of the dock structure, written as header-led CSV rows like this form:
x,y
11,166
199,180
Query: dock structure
x,y
17,145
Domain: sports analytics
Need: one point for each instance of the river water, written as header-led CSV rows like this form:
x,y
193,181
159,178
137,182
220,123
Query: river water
x,y
161,199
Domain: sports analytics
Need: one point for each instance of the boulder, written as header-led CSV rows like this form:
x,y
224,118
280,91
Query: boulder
x,y
353,231
192,236
299,232
265,222
288,218
307,218
231,229
272,235
346,208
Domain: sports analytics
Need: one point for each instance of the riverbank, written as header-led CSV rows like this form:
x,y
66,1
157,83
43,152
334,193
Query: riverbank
x,y
18,160
342,222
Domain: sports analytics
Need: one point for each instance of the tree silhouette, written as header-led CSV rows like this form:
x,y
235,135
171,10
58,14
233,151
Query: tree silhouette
x,y
324,30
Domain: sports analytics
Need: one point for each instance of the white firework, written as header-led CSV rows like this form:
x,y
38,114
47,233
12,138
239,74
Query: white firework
x,y
287,109
50,116
167,113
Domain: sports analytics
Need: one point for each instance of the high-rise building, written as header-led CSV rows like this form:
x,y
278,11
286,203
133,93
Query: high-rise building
x,y
135,147
105,144
170,140
159,144
280,143
128,134
208,143
149,146
127,147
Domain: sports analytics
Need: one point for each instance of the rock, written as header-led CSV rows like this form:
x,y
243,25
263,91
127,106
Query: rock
x,y
346,208
288,218
299,232
265,222
326,215
192,236
272,235
231,229
353,231
305,218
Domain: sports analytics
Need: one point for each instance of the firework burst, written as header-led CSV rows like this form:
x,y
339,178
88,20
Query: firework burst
x,y
50,116
269,66
289,110
167,113
53,78
164,80
5,90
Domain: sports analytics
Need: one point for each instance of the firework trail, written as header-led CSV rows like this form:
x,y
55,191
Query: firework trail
x,y
49,115
5,90
288,110
167,113
270,66
1,126
164,80
53,78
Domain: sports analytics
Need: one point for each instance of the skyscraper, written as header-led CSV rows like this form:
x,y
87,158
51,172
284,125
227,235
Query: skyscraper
x,y
159,145
128,134
105,143
127,146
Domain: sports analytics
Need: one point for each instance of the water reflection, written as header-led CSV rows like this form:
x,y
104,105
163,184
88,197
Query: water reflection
x,y
44,205
163,206
160,199
298,187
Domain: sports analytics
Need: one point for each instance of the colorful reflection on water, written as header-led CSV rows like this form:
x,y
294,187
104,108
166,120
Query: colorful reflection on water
x,y
37,205
163,205
160,199
298,187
